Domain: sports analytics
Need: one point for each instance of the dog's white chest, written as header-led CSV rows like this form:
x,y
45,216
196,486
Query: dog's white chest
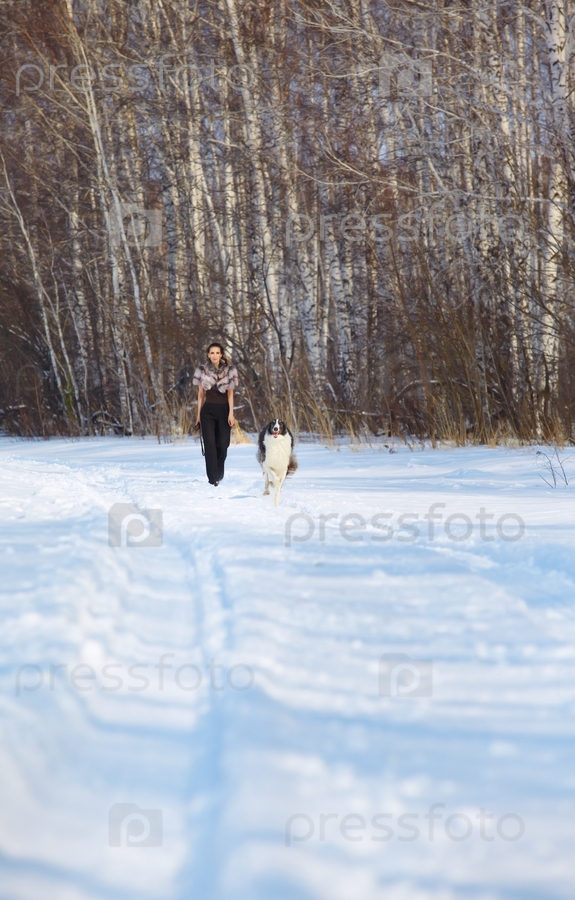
x,y
278,452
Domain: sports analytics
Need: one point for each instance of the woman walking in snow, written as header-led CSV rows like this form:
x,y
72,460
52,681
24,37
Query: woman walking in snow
x,y
216,381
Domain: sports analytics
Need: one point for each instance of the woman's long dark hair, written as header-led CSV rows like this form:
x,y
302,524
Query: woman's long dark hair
x,y
215,344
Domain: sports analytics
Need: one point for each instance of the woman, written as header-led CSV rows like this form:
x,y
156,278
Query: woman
x,y
216,381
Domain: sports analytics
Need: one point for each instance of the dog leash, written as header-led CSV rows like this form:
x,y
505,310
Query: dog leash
x,y
202,441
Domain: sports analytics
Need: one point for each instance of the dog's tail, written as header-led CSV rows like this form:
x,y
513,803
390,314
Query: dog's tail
x,y
292,465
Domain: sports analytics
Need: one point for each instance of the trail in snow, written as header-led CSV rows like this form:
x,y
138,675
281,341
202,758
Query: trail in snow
x,y
231,707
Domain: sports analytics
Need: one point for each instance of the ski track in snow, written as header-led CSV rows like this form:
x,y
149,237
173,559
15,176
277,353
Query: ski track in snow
x,y
317,733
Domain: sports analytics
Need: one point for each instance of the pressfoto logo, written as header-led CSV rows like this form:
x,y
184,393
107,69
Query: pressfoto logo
x,y
130,826
141,227
402,76
131,526
400,676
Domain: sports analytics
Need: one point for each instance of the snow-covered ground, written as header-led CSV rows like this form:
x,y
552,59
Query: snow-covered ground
x,y
216,706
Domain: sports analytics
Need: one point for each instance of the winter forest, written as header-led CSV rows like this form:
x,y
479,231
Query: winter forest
x,y
371,203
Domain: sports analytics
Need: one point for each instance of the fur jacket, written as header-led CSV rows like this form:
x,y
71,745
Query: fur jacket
x,y
224,378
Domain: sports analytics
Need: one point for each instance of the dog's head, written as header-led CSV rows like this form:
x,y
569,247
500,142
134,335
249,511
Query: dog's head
x,y
277,428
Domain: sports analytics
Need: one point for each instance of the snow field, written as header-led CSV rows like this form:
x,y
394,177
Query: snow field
x,y
259,703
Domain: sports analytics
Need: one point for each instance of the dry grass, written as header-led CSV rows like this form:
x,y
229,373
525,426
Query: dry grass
x,y
238,436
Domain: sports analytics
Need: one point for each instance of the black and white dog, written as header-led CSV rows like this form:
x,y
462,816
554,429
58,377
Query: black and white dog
x,y
276,456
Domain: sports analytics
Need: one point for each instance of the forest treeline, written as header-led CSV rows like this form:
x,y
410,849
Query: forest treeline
x,y
370,203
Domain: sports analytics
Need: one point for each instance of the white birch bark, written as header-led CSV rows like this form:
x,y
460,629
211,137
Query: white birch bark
x,y
265,258
556,36
44,301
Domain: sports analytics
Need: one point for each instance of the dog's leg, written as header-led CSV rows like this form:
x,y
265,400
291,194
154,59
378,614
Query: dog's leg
x,y
267,485
280,483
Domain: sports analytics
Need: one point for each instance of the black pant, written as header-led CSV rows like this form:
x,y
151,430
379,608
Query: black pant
x,y
216,437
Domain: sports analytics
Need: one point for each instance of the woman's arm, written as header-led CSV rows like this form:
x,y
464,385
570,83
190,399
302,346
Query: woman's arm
x,y
231,420
201,395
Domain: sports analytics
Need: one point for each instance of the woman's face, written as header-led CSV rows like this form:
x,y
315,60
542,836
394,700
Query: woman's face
x,y
215,355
